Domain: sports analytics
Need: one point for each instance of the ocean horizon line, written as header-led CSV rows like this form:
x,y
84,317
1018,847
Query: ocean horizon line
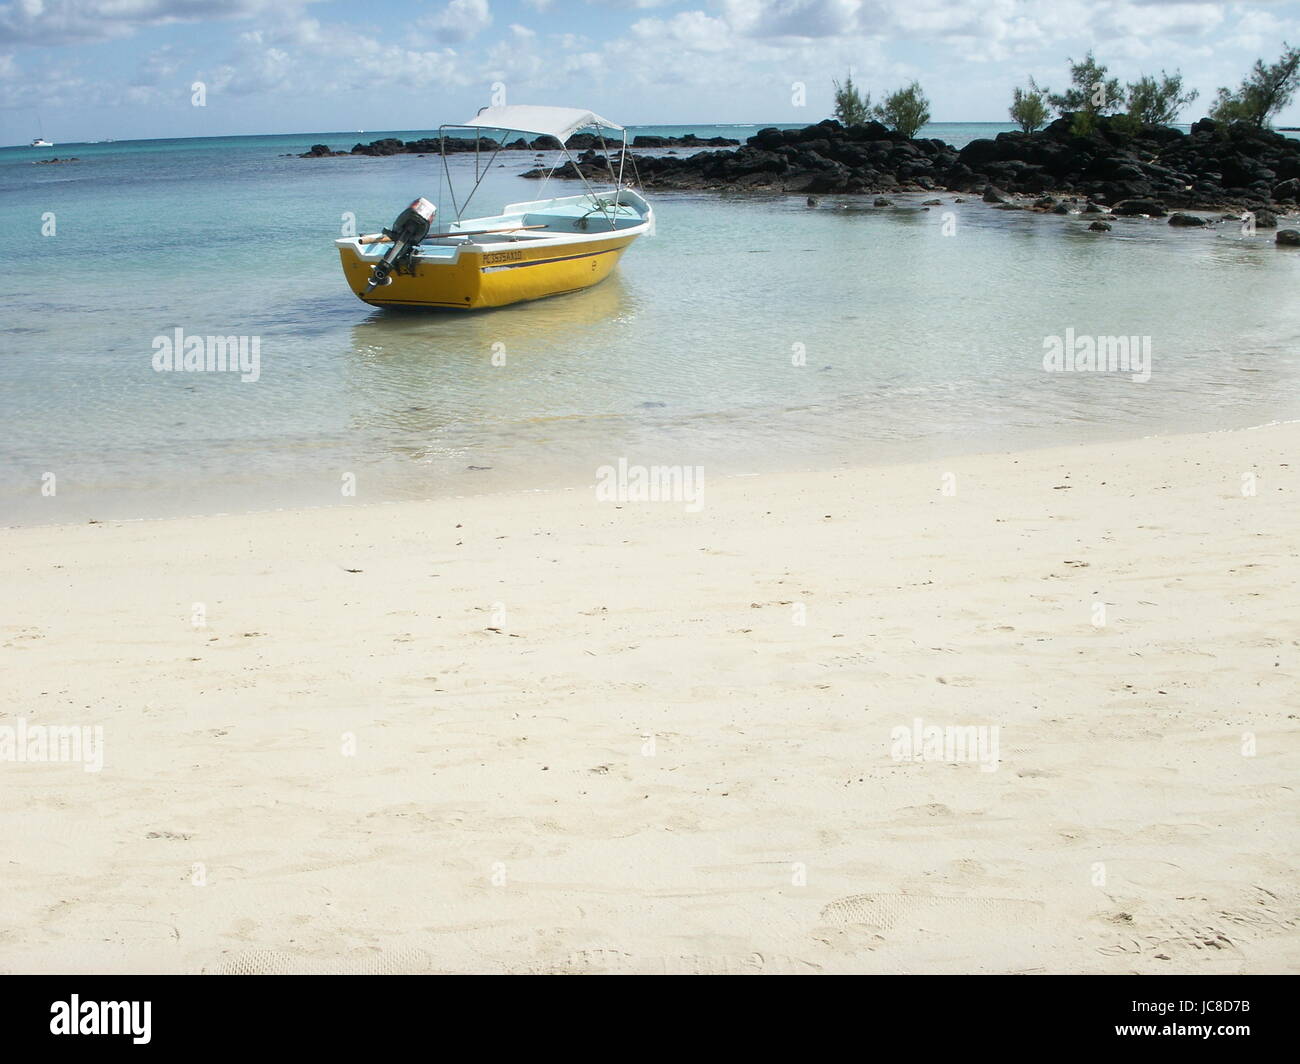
x,y
425,129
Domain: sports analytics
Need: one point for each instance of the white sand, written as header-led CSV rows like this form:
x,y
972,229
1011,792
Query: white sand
x,y
503,811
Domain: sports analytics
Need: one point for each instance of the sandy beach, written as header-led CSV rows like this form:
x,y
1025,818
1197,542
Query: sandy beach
x,y
543,733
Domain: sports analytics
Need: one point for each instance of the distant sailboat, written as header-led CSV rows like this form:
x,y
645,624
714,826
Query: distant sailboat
x,y
40,141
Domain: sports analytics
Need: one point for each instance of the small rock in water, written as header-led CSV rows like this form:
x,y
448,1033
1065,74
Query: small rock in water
x,y
1265,220
1179,218
1100,227
1061,208
993,194
932,203
812,201
1288,238
880,201
1150,207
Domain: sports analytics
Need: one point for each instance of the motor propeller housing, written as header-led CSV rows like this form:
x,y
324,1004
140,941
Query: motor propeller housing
x,y
410,227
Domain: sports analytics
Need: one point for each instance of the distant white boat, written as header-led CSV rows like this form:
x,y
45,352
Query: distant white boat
x,y
41,142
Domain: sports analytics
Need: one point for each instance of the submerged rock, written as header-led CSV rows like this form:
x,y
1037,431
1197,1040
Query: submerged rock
x,y
1100,227
1287,238
1179,218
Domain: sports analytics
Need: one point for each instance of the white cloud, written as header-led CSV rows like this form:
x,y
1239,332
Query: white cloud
x,y
634,5
60,22
693,30
799,18
460,20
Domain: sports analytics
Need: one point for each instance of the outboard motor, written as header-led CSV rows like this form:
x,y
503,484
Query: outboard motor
x,y
411,226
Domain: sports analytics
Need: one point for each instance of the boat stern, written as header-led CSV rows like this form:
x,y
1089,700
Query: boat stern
x,y
437,277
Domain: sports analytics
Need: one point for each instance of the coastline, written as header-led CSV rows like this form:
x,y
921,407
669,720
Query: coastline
x,y
499,662
890,454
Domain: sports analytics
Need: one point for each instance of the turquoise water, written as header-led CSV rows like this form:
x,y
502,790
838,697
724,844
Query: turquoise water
x,y
917,341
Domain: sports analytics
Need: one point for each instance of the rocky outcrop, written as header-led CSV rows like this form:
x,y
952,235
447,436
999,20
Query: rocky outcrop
x,y
320,151
688,141
1153,171
460,145
1130,208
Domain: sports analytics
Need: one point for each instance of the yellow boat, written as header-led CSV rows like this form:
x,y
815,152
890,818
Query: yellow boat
x,y
529,251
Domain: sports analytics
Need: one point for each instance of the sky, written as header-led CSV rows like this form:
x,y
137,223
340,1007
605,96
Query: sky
x,y
81,70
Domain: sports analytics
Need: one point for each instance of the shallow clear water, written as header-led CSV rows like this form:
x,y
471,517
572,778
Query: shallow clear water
x,y
917,341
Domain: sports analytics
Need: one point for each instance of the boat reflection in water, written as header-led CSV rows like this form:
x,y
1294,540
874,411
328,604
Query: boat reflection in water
x,y
489,393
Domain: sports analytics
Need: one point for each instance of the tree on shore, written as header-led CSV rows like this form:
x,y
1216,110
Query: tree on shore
x,y
851,107
1029,107
1090,94
906,110
1264,91
1157,101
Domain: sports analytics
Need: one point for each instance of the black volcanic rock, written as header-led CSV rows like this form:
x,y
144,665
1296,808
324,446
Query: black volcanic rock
x,y
1130,207
460,144
1151,171
690,140
1287,191
387,146
321,151
979,153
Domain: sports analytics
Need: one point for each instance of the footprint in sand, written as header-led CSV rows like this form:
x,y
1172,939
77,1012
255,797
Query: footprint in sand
x,y
887,911
407,961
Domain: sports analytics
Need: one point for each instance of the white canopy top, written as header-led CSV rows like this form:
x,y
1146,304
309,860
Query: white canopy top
x,y
558,122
